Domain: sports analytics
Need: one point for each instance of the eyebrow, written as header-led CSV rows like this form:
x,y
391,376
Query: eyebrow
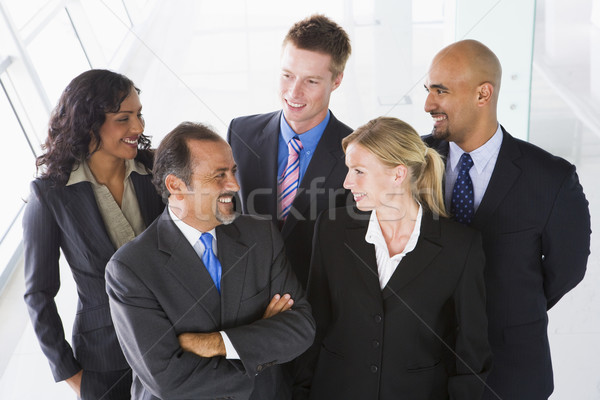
x,y
307,77
436,86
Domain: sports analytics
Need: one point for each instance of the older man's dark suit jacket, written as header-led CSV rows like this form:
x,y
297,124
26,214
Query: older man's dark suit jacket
x,y
68,218
535,225
423,337
254,141
159,288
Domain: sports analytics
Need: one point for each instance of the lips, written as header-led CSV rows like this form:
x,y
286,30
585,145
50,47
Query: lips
x,y
358,196
294,105
131,140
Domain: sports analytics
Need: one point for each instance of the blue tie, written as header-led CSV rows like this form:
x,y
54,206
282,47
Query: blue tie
x,y
211,262
462,205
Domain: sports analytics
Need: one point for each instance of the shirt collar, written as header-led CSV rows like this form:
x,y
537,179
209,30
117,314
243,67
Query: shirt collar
x,y
81,172
310,138
482,155
191,234
375,236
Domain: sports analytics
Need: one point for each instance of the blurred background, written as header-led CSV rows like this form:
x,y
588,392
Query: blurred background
x,y
211,61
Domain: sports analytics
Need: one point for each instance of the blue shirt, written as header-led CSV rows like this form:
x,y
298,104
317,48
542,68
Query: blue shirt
x,y
484,161
309,139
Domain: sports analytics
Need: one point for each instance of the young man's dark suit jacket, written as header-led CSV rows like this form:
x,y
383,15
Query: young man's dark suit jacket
x,y
535,224
159,288
68,218
254,141
399,342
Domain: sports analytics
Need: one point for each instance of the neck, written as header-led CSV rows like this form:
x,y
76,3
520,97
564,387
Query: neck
x,y
107,169
482,133
398,220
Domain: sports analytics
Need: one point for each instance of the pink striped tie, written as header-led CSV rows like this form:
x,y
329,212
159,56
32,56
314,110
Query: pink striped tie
x,y
288,182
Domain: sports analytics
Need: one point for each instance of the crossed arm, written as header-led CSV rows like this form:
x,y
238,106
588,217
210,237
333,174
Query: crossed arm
x,y
212,344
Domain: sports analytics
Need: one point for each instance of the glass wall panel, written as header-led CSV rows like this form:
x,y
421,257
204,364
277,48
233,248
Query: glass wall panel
x,y
57,55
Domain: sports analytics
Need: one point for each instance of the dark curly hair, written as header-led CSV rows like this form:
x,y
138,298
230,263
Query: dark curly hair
x,y
79,114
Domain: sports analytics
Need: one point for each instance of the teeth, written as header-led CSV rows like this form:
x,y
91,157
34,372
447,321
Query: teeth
x,y
294,104
439,118
225,200
129,141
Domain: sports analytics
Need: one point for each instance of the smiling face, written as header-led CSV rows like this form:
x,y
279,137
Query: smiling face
x,y
452,99
207,202
305,85
370,181
121,130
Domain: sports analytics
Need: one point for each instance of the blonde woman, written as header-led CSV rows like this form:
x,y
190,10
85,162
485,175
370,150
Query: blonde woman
x,y
396,287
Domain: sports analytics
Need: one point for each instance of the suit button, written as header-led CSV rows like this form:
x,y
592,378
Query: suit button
x,y
259,368
374,369
375,344
378,318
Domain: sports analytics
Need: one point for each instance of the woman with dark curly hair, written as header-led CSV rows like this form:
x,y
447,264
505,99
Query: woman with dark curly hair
x,y
93,195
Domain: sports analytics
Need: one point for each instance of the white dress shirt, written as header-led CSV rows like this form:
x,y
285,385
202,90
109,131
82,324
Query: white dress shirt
x,y
386,265
193,236
484,161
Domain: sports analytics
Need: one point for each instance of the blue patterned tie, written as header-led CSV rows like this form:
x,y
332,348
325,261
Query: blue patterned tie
x,y
211,262
462,205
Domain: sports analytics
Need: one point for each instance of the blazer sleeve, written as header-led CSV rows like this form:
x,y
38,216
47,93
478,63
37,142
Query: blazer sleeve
x,y
151,346
566,240
472,350
289,333
41,241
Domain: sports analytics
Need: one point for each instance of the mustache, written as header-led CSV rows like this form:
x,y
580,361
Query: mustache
x,y
227,194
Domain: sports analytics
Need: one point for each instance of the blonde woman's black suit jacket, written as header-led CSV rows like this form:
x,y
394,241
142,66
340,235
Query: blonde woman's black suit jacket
x,y
423,337
67,218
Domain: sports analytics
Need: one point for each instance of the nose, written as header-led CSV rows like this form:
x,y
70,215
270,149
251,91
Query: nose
x,y
232,184
138,125
348,181
296,89
429,103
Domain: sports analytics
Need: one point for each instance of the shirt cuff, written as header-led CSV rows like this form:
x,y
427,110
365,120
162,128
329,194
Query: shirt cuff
x,y
230,352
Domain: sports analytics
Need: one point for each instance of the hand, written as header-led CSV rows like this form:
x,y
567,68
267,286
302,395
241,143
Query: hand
x,y
203,344
75,382
278,304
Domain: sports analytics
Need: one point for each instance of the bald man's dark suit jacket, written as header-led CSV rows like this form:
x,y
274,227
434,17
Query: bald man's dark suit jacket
x,y
68,218
423,337
159,288
535,224
254,141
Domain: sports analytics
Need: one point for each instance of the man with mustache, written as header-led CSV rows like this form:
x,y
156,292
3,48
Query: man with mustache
x,y
528,206
204,302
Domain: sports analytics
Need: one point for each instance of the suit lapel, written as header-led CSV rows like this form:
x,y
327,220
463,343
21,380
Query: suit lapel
x,y
233,258
417,260
80,203
267,144
362,256
504,176
187,268
327,155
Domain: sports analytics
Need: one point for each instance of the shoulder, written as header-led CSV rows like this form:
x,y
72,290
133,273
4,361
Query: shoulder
x,y
142,247
339,126
342,218
254,120
534,156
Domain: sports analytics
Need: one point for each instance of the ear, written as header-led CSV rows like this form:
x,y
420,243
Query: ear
x,y
175,186
337,81
400,174
484,93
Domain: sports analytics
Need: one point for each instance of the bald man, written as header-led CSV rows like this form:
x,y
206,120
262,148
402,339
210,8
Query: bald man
x,y
528,205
